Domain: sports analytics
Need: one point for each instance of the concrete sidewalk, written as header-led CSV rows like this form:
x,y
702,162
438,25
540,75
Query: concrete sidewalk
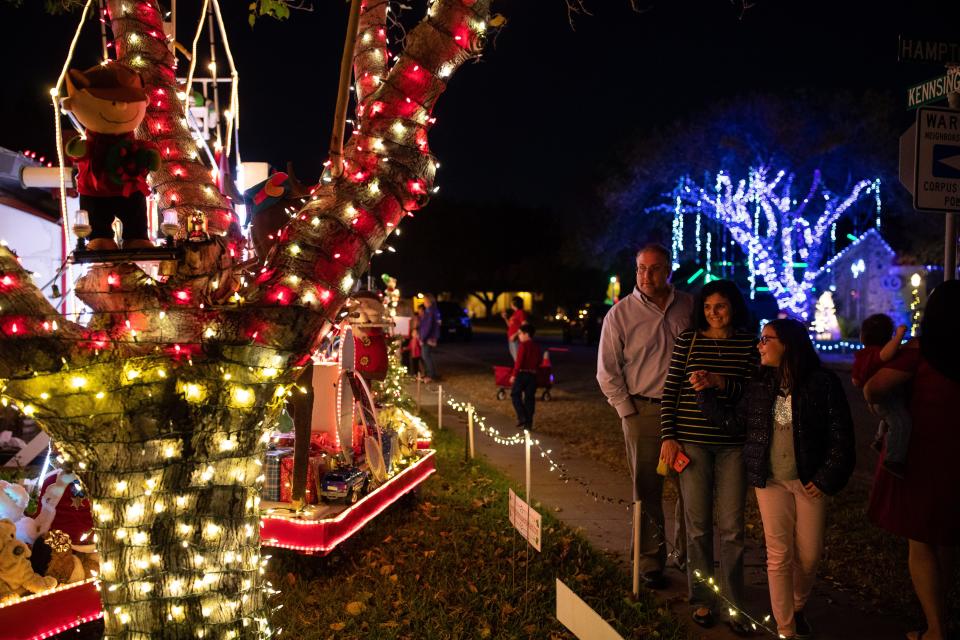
x,y
834,615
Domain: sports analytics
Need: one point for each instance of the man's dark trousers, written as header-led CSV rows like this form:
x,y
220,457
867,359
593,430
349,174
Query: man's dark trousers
x,y
524,396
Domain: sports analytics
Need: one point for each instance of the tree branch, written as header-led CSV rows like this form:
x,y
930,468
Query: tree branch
x,y
182,182
371,59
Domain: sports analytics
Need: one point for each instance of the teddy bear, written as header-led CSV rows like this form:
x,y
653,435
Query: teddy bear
x,y
63,565
17,576
110,101
14,500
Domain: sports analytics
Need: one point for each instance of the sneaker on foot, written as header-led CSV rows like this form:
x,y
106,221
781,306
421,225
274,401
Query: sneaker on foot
x,y
801,625
739,628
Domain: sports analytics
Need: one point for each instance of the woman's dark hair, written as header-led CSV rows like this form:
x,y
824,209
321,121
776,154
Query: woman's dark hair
x,y
800,359
876,330
939,340
517,302
739,316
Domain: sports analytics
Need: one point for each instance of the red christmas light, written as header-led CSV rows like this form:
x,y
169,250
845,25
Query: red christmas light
x,y
264,275
182,296
281,295
182,351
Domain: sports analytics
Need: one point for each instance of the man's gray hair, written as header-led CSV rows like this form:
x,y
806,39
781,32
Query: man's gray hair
x,y
656,247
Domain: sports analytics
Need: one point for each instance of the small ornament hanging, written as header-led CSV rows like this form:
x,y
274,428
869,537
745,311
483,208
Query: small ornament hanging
x,y
197,227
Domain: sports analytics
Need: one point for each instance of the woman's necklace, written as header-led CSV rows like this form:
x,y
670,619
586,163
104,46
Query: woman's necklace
x,y
716,344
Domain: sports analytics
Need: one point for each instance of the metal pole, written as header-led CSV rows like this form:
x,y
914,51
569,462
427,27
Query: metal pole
x,y
439,406
636,548
950,248
470,429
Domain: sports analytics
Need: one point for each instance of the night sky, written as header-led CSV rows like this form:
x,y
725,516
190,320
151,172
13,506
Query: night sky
x,y
547,110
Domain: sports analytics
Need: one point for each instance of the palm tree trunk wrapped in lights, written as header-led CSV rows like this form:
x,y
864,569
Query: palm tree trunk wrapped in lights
x,y
163,401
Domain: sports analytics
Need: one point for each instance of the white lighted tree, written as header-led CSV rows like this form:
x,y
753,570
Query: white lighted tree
x,y
783,238
825,318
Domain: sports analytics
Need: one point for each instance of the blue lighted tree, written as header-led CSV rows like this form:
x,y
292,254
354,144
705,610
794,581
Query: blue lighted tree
x,y
783,239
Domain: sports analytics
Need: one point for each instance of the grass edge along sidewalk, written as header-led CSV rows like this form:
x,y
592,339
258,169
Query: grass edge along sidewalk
x,y
449,565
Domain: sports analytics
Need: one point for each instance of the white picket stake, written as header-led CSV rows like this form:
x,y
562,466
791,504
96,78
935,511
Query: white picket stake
x,y
439,406
636,547
470,428
528,442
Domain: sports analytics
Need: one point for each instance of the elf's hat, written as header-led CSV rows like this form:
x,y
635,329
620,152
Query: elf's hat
x,y
110,81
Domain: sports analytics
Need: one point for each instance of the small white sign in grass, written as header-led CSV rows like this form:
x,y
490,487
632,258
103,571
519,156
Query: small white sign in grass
x,y
525,519
582,621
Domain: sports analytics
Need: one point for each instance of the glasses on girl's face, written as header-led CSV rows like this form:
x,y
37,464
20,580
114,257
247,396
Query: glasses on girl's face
x,y
765,339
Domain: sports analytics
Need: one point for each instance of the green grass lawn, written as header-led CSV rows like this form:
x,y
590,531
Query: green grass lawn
x,y
448,564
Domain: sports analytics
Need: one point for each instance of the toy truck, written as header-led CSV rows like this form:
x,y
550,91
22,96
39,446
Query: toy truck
x,y
346,483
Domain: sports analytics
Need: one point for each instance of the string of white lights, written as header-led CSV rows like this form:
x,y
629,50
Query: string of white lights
x,y
733,610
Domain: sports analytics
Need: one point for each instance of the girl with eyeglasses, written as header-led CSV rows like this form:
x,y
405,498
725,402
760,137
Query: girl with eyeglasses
x,y
799,449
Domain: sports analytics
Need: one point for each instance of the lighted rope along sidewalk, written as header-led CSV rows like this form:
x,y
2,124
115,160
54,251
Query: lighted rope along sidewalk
x,y
520,438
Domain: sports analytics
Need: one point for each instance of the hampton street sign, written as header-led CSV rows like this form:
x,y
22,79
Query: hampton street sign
x,y
934,89
928,51
937,175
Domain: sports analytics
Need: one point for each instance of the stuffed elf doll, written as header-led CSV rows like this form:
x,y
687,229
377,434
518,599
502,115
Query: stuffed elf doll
x,y
109,100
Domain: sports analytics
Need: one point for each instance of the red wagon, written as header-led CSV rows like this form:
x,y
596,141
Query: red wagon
x,y
545,380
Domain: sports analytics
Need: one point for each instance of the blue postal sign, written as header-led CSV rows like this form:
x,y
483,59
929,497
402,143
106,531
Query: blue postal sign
x,y
937,176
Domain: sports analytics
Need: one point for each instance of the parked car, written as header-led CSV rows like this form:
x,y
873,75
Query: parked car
x,y
586,323
454,322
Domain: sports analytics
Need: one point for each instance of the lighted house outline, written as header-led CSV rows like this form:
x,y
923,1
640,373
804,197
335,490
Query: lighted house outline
x,y
879,285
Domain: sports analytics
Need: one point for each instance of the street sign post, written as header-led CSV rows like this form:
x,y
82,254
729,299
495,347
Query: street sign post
x,y
934,89
936,182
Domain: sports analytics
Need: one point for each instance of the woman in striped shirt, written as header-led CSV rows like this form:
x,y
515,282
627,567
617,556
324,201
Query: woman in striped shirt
x,y
718,353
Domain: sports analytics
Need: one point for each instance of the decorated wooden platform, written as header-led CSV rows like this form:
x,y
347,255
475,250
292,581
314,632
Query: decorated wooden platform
x,y
47,614
320,528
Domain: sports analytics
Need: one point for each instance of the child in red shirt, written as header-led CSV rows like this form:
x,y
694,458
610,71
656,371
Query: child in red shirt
x,y
879,348
524,376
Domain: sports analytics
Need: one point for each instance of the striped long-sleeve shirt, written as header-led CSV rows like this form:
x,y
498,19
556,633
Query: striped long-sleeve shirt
x,y
735,358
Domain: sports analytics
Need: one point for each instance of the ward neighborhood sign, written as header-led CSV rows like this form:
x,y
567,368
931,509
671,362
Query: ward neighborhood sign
x,y
937,175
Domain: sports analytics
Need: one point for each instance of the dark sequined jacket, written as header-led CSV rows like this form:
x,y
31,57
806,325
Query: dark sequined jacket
x,y
823,438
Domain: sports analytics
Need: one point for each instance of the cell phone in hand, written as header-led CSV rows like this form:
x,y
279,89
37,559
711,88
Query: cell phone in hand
x,y
680,462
